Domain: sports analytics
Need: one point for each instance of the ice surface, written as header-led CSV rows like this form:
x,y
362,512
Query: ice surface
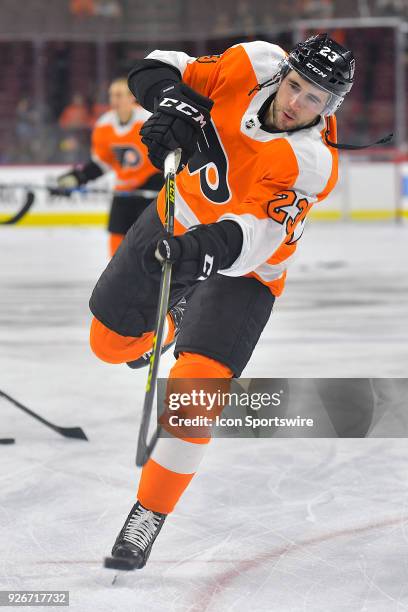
x,y
277,524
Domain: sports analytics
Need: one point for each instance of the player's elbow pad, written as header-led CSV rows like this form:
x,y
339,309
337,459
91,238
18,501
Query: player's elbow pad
x,y
148,78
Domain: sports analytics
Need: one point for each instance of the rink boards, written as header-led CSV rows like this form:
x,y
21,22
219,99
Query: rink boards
x,y
365,191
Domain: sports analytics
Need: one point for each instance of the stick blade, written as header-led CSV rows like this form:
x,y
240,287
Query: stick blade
x,y
73,432
121,563
30,197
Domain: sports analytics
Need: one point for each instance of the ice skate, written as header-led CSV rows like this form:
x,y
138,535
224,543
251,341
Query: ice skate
x,y
135,540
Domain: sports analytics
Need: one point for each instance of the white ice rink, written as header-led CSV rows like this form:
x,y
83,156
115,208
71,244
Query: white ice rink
x,y
287,525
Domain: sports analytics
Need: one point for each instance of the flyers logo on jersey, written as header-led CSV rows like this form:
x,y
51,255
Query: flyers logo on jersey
x,y
187,109
127,156
211,162
290,211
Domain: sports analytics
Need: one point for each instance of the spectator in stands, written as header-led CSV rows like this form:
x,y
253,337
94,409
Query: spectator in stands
x,y
26,121
222,25
25,133
34,137
108,8
82,8
245,20
100,106
339,34
75,116
318,9
71,149
391,8
286,13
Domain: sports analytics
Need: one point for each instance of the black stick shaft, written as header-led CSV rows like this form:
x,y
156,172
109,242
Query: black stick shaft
x,y
31,187
144,450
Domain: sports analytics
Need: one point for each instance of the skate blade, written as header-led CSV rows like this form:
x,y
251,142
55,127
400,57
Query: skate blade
x,y
122,563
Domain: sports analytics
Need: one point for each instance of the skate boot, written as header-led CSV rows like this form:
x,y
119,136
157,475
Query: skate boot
x,y
176,314
134,543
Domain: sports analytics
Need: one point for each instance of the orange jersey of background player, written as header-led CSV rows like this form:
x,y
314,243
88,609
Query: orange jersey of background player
x,y
266,181
119,148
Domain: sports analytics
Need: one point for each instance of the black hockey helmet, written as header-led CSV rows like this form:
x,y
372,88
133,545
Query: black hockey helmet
x,y
325,63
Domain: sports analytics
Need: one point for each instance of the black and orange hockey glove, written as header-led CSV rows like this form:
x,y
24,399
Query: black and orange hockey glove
x,y
197,254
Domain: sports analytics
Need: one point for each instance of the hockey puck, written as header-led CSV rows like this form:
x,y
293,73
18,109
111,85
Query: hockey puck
x,y
7,440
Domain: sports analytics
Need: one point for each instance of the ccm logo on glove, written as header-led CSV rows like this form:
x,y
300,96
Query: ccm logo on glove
x,y
180,114
208,266
185,108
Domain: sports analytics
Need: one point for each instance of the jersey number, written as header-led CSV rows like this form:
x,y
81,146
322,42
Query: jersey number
x,y
212,164
331,55
208,59
290,211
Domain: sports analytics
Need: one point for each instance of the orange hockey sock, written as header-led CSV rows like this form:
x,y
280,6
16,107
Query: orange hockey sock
x,y
175,460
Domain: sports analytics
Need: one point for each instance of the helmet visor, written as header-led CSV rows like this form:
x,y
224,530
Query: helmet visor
x,y
333,102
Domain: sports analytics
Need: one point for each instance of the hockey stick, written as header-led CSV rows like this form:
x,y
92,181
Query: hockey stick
x,y
67,432
144,449
23,211
144,193
149,194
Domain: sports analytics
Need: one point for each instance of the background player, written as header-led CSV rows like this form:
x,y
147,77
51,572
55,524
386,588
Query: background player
x,y
262,160
117,146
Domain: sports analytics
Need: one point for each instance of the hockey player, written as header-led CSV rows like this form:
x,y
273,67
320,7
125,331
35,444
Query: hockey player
x,y
117,146
257,132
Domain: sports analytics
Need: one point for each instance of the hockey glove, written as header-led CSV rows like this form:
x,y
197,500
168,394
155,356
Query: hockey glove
x,y
66,183
197,254
73,179
179,116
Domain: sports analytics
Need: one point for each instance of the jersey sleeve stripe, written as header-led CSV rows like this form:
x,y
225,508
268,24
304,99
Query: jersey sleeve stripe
x,y
183,213
270,272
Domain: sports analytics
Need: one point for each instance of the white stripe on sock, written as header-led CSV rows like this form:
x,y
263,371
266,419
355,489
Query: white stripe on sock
x,y
178,456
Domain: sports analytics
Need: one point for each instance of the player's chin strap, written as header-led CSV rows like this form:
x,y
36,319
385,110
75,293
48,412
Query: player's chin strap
x,y
352,147
268,83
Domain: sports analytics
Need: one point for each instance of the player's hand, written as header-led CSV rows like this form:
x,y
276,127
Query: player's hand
x,y
180,115
196,255
66,183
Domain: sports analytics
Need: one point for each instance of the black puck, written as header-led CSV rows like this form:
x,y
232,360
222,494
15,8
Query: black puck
x,y
7,440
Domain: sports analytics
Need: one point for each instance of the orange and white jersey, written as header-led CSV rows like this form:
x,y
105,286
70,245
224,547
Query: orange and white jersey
x,y
119,148
267,182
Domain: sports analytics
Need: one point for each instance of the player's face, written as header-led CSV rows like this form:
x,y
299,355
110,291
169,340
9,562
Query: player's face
x,y
297,103
120,98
